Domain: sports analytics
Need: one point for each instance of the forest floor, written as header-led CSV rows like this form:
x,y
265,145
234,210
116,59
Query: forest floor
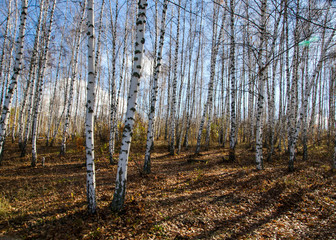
x,y
180,199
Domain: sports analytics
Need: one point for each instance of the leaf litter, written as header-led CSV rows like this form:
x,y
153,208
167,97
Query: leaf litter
x,y
208,199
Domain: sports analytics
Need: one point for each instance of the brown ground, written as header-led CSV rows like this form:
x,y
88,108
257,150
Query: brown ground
x,y
210,199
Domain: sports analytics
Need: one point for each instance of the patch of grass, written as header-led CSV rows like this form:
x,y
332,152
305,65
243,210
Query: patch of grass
x,y
198,176
158,229
5,207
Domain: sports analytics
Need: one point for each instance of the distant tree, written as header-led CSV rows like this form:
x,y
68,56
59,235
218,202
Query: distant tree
x,y
40,82
174,87
295,129
74,68
208,105
232,154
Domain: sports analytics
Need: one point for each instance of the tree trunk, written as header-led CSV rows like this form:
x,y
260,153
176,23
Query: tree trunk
x,y
16,72
262,71
303,108
40,76
113,113
121,179
90,111
173,101
232,155
150,132
192,106
72,81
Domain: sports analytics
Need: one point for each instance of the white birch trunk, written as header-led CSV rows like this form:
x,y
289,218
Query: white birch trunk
x,y
232,155
208,105
271,89
150,132
262,71
42,66
15,115
305,78
214,49
196,70
113,113
173,101
31,89
192,35
4,44
52,101
121,179
90,111
16,72
169,86
292,113
303,108
73,78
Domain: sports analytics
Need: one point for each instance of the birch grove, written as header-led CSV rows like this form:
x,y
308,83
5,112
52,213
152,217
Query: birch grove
x,y
227,75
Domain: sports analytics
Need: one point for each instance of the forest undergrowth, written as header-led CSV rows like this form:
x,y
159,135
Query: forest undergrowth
x,y
185,196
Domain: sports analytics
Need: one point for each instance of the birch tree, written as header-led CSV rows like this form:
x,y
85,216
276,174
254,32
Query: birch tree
x,y
195,75
232,155
39,83
174,80
16,71
29,89
121,179
206,110
4,45
262,71
295,133
113,100
150,131
72,81
90,110
192,37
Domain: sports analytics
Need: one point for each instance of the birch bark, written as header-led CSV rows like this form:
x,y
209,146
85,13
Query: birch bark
x,y
72,81
150,132
40,80
15,115
4,44
90,111
113,99
52,108
216,43
232,155
29,90
303,108
173,101
189,107
16,72
262,71
121,179
208,105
